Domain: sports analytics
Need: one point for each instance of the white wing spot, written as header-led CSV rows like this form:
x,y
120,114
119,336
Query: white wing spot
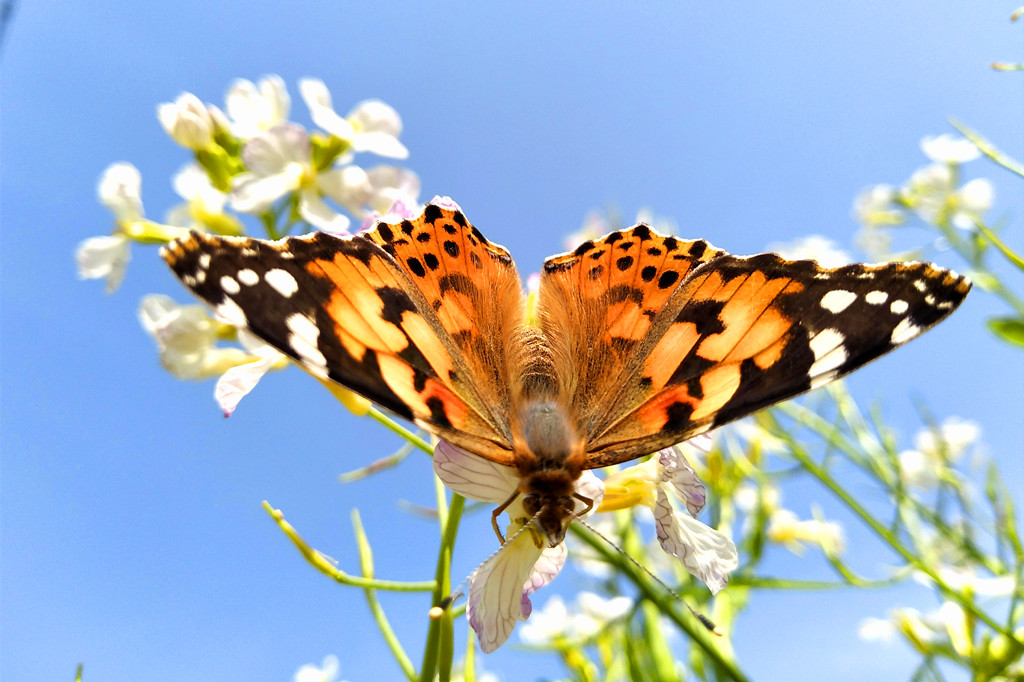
x,y
303,338
248,277
230,312
283,281
898,307
876,297
822,379
829,351
822,275
904,331
229,285
838,300
189,280
201,276
204,260
920,285
929,299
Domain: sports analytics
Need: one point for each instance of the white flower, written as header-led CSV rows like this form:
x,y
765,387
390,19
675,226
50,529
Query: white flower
x,y
932,194
971,202
188,121
106,257
500,588
256,109
204,204
326,672
965,579
238,381
703,551
935,450
390,185
785,527
813,247
947,148
120,190
279,162
875,207
186,337
590,615
372,126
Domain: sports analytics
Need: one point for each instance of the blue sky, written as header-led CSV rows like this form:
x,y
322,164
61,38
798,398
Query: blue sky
x,y
133,538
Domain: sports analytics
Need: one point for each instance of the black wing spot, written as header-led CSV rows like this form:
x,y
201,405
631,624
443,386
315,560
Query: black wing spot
x,y
624,263
595,272
431,213
667,279
416,267
648,273
424,237
451,248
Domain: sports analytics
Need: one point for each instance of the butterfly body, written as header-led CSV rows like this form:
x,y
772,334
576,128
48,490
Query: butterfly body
x,y
638,341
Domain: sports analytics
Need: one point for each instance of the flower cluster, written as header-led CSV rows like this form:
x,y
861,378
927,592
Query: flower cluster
x,y
249,159
932,194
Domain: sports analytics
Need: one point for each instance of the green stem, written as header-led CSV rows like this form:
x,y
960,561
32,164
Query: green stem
x,y
999,244
405,433
894,543
325,566
440,649
988,149
366,563
665,602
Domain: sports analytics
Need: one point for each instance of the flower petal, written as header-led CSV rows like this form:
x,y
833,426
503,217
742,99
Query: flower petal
x,y
315,211
683,478
103,257
251,193
472,476
276,149
705,552
120,190
496,600
321,110
237,382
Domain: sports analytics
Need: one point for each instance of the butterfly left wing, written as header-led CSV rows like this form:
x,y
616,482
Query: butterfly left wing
x,y
665,339
364,312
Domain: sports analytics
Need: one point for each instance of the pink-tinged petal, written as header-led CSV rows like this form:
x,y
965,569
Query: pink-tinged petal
x,y
236,383
703,551
473,476
682,477
496,599
548,566
446,203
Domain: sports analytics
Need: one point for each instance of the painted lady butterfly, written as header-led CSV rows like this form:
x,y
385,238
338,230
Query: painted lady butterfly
x,y
640,340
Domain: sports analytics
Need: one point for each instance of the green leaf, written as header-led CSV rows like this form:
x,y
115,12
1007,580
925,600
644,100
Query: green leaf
x,y
1009,329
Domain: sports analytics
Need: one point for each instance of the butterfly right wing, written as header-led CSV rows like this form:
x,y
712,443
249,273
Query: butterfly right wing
x,y
346,310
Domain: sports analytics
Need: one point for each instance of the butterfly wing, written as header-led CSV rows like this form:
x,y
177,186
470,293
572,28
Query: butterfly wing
x,y
394,314
672,338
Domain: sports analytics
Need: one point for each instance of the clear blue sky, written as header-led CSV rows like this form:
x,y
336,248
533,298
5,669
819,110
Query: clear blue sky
x,y
133,538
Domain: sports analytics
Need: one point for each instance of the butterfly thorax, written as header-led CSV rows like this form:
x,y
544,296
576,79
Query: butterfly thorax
x,y
549,456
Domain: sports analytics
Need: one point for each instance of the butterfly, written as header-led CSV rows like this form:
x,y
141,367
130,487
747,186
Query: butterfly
x,y
639,340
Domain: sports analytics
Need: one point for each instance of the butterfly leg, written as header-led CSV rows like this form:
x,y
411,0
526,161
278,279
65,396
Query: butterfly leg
x,y
585,500
497,512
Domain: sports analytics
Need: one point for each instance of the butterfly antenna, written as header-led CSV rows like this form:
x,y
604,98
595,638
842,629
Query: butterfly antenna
x,y
437,611
704,620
